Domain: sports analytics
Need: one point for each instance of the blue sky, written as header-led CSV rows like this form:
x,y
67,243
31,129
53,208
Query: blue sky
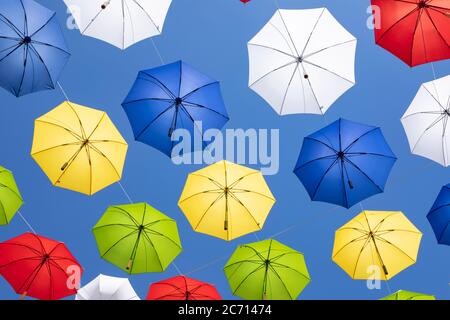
x,y
212,36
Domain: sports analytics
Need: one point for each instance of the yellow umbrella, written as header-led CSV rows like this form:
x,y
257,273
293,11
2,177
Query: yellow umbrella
x,y
226,200
79,148
376,245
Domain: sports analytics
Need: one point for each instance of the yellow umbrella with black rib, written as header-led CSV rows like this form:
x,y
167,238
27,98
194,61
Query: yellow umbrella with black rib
x,y
376,245
79,148
226,200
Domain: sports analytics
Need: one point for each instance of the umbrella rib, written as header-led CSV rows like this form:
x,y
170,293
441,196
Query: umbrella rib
x,y
250,191
444,231
76,135
314,160
107,159
20,260
42,61
396,23
363,237
198,89
255,251
368,154
157,221
11,47
44,25
219,185
323,177
288,33
394,246
434,26
326,48
59,146
164,236
50,45
193,122
435,210
359,256
24,69
108,141
148,15
272,71
28,282
435,122
310,86
419,21
287,267
11,25
357,139
287,88
243,261
274,49
91,22
210,206
370,179
158,83
312,32
232,185
246,209
153,120
282,282
200,193
343,182
329,71
50,279
11,52
11,190
148,99
319,141
191,104
118,241
434,98
246,277
157,255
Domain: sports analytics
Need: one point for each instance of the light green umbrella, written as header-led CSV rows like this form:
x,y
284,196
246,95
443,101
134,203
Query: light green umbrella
x,y
408,295
10,198
137,238
267,270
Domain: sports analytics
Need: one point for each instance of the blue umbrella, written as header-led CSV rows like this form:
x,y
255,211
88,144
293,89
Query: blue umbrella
x,y
439,216
344,163
32,48
170,97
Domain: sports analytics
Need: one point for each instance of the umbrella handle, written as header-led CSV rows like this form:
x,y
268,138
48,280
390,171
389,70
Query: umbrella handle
x,y
130,264
23,295
225,225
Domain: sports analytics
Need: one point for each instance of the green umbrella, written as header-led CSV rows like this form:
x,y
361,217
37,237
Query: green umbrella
x,y
408,295
137,238
10,198
267,270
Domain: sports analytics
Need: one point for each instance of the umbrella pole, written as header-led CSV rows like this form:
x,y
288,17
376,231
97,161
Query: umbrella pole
x,y
23,295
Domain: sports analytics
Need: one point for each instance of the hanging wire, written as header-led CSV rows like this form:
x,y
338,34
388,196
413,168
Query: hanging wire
x,y
26,221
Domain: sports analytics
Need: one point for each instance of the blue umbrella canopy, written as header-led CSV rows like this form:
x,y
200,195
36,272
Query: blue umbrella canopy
x,y
439,216
344,163
33,51
170,97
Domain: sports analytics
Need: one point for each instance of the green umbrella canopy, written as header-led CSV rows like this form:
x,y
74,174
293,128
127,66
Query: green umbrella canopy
x,y
408,295
137,238
267,270
10,198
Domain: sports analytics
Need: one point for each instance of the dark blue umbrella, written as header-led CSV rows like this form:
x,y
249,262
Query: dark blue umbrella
x,y
170,97
439,216
344,163
32,48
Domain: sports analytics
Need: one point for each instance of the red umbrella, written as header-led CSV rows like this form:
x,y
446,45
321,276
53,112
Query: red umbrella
x,y
182,288
39,267
416,31
245,1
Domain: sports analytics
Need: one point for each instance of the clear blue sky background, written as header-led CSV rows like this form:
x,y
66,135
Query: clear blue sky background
x,y
212,36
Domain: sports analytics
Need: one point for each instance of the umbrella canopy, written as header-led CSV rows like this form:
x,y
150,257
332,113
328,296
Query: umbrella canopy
x,y
121,23
39,267
107,288
408,295
425,121
267,270
344,163
33,51
302,61
170,97
79,148
182,288
137,238
383,239
226,200
416,31
439,216
10,198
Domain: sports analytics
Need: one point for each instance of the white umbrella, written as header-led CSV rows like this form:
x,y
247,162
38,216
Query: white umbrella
x,y
426,121
302,61
107,288
121,23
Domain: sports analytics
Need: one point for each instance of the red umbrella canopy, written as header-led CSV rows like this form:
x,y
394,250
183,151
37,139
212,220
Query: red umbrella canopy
x,y
39,267
245,1
182,288
416,31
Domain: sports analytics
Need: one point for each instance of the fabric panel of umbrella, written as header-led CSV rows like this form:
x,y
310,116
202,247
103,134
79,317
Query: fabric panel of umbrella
x,y
408,295
302,61
38,267
439,216
226,200
182,288
79,148
33,51
10,198
426,120
386,240
416,31
107,288
344,163
170,97
137,238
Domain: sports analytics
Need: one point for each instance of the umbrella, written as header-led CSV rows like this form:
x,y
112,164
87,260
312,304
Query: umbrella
x,y
170,97
416,31
302,61
267,270
137,238
182,288
79,148
344,163
10,198
107,288
408,295
39,267
33,51
425,121
121,23
226,200
386,240
439,216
